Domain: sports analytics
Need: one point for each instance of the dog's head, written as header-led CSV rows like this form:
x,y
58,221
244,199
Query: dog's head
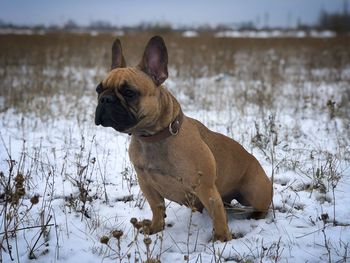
x,y
129,97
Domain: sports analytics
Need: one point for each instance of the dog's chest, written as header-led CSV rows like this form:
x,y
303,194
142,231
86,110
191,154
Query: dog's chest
x,y
155,162
159,167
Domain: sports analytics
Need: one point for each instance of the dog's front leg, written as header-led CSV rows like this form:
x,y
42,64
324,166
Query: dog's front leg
x,y
211,199
156,202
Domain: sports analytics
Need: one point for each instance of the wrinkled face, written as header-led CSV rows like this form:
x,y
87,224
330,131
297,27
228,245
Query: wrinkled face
x,y
127,99
128,96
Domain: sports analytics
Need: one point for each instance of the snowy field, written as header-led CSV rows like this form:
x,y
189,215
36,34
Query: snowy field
x,y
67,187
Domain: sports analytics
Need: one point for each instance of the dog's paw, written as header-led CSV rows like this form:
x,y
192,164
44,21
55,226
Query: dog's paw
x,y
222,237
150,228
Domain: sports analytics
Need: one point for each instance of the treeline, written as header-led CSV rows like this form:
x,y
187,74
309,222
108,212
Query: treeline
x,y
337,22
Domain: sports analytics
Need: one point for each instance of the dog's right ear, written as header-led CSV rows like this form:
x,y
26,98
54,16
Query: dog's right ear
x,y
118,60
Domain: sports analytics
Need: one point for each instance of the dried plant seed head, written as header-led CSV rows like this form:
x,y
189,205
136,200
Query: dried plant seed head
x,y
20,191
138,225
34,200
15,198
133,221
152,260
104,240
147,241
324,217
117,234
19,178
146,222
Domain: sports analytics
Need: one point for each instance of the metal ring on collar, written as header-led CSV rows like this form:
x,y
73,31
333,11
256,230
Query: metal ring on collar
x,y
171,129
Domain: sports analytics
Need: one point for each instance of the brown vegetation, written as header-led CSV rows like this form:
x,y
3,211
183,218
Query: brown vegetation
x,y
39,65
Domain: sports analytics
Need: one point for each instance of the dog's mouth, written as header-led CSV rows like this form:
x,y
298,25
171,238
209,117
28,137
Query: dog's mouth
x,y
110,113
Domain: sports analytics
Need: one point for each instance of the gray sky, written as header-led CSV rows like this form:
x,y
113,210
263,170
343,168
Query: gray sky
x,y
177,12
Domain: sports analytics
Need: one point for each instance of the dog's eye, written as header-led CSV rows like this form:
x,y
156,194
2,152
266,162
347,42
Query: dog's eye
x,y
129,94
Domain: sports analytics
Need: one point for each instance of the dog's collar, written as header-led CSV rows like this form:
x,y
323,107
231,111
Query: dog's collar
x,y
172,130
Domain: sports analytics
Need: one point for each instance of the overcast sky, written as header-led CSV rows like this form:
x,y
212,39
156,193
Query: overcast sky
x,y
177,12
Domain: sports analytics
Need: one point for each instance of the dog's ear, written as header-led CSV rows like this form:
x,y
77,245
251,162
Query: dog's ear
x,y
155,60
118,60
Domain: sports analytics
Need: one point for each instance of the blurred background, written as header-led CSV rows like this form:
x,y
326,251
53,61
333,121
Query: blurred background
x,y
205,14
43,44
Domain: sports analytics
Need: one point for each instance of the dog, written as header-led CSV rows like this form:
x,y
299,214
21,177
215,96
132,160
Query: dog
x,y
176,157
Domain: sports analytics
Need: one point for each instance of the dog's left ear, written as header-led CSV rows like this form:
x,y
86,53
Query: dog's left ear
x,y
155,60
118,60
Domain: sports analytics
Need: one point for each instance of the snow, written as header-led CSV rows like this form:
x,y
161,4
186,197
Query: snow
x,y
274,34
93,33
190,33
5,31
58,153
322,34
119,33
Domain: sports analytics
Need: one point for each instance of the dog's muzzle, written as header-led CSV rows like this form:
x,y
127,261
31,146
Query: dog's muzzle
x,y
111,113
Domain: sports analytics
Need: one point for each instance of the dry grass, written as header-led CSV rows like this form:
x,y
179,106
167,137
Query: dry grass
x,y
45,65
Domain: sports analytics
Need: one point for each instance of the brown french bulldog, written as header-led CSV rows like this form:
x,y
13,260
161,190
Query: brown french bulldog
x,y
176,157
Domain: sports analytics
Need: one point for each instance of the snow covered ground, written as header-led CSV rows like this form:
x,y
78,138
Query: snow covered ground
x,y
275,34
87,187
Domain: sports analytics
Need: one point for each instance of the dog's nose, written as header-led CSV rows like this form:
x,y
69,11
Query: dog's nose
x,y
108,99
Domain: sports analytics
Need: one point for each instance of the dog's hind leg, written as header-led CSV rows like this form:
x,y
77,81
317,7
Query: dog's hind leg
x,y
211,199
256,191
